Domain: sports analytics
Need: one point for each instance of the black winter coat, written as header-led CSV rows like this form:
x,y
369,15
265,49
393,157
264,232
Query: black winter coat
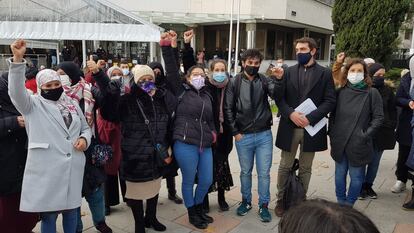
x,y
13,144
403,98
321,91
194,123
93,176
138,157
224,143
356,120
385,138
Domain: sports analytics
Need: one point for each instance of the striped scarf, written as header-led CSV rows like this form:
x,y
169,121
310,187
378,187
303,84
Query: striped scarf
x,y
79,91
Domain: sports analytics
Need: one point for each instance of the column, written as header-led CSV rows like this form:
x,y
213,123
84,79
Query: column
x,y
84,57
251,35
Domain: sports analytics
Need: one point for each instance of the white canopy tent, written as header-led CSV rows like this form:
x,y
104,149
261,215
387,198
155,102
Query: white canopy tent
x,y
73,20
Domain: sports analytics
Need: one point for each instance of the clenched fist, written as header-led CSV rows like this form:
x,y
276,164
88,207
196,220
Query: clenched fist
x,y
18,49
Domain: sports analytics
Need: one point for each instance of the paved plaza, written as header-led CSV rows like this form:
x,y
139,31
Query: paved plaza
x,y
386,211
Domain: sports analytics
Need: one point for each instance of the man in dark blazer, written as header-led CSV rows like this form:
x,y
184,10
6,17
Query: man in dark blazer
x,y
307,79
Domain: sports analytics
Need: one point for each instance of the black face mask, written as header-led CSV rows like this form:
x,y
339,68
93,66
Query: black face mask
x,y
378,81
251,70
52,94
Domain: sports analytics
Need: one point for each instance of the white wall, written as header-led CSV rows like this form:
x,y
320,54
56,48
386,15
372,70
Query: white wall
x,y
310,12
185,6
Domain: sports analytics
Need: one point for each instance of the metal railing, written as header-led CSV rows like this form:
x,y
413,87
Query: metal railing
x,y
36,59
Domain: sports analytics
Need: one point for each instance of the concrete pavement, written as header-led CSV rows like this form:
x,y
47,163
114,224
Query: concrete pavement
x,y
385,212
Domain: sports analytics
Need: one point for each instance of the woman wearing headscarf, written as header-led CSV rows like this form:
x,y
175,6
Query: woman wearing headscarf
x,y
145,115
385,138
53,175
110,133
94,177
77,88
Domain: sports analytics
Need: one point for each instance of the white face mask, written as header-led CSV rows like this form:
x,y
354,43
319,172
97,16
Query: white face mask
x,y
115,77
65,80
355,78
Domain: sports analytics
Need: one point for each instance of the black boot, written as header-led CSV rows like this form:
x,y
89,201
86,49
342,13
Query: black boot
x,y
206,204
410,205
222,200
172,192
151,215
202,213
138,212
195,219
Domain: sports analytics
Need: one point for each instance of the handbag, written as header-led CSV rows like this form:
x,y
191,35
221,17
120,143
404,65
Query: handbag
x,y
162,155
294,191
101,153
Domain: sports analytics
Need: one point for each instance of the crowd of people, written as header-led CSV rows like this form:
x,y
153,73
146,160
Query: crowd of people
x,y
70,133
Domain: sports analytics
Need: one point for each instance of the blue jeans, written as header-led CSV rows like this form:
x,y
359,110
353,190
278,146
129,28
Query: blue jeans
x,y
357,175
261,146
372,168
96,204
192,161
69,221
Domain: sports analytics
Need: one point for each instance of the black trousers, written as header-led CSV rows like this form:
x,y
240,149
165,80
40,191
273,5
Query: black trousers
x,y
112,190
402,169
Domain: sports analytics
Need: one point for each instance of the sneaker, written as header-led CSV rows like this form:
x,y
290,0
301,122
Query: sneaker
x,y
244,208
364,193
371,193
264,214
398,187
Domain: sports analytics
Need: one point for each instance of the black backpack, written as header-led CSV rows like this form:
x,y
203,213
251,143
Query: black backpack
x,y
294,191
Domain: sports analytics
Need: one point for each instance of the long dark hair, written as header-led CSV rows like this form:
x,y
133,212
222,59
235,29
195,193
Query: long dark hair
x,y
325,217
348,66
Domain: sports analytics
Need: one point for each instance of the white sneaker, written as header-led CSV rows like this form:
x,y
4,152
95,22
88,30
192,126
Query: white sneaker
x,y
398,187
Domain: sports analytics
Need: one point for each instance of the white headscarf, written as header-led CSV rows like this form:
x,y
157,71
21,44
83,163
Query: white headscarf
x,y
110,70
412,67
45,76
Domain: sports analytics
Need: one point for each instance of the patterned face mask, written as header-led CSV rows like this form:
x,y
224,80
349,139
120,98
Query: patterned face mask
x,y
147,86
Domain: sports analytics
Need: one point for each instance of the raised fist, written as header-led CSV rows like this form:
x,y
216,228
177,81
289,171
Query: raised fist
x,y
18,49
188,35
340,58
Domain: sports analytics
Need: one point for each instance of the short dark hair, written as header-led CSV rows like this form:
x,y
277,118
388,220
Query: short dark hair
x,y
325,217
124,62
252,53
311,42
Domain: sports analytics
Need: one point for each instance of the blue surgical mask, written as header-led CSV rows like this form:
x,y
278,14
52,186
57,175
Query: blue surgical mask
x,y
125,72
219,76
